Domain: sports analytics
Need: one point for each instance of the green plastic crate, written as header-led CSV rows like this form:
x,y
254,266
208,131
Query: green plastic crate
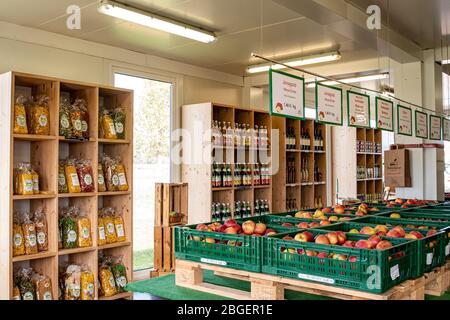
x,y
419,215
375,271
292,213
430,250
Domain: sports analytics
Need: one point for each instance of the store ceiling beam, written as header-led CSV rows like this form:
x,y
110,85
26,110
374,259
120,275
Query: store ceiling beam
x,y
349,21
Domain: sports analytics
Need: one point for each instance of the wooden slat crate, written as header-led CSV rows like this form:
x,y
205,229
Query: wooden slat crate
x,y
164,253
170,197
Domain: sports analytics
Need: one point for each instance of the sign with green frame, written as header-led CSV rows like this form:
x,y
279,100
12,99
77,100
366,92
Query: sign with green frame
x,y
358,110
287,95
329,104
404,120
435,128
384,114
421,124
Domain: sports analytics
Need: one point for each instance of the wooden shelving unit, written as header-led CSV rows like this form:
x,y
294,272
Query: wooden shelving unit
x,y
44,153
365,145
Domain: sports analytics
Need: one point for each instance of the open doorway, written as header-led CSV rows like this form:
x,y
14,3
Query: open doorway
x,y
152,127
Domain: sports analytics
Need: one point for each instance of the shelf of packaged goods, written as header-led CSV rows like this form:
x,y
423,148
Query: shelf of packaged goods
x,y
123,295
223,189
113,141
77,195
64,252
113,193
115,245
40,255
34,196
63,139
33,137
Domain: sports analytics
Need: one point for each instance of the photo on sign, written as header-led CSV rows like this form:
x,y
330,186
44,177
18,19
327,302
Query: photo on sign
x,y
328,104
358,110
446,128
435,127
287,95
404,120
421,124
384,114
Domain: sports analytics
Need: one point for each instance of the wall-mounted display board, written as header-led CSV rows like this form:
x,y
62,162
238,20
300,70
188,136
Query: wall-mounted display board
x,y
435,127
287,95
404,120
421,123
328,104
384,114
358,110
446,129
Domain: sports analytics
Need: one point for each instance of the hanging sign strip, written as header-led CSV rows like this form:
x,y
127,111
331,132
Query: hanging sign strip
x,y
328,104
421,125
404,120
358,110
435,127
446,128
287,95
384,114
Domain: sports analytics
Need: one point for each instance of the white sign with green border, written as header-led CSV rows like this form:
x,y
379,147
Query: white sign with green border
x,y
404,120
435,127
421,125
446,128
384,110
328,104
287,95
358,110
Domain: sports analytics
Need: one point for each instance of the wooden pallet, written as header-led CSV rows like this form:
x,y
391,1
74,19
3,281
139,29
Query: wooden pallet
x,y
189,274
170,197
437,281
164,252
156,273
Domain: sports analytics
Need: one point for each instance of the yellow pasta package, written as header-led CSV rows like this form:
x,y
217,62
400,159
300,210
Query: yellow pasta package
x,y
23,180
87,284
120,227
101,230
20,116
110,229
29,234
84,231
18,241
107,281
120,171
35,178
108,130
101,179
40,116
73,183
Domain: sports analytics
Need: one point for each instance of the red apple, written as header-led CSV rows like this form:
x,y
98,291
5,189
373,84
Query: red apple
x,y
360,213
389,205
383,244
322,239
314,225
238,228
393,234
404,206
210,240
303,225
349,244
382,228
288,238
400,230
230,223
260,228
431,233
305,236
332,238
381,233
368,231
311,253
345,219
417,234
353,259
325,223
341,237
232,243
339,210
322,255
201,227
287,224
363,244
341,257
410,236
333,218
300,251
307,215
230,230
326,210
222,228
399,201
375,240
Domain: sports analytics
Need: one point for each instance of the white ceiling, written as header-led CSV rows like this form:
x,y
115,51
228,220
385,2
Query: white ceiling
x,y
242,26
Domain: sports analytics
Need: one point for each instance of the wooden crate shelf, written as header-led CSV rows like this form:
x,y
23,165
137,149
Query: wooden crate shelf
x,y
44,153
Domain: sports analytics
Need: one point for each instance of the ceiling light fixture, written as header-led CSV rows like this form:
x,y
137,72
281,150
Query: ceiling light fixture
x,y
372,77
296,62
124,12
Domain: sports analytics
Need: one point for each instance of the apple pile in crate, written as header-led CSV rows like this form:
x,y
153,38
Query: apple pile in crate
x,y
408,203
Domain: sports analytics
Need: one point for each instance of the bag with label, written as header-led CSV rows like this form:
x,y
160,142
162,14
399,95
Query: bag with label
x,y
73,183
29,234
108,221
35,178
107,280
87,283
39,116
108,129
60,233
69,228
40,222
111,177
20,115
121,175
120,274
18,239
65,126
84,230
120,226
101,179
23,180
101,230
85,176
26,287
119,122
72,282
75,121
81,105
43,286
62,182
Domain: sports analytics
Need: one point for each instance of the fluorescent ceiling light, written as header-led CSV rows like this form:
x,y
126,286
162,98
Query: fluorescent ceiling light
x,y
296,62
124,12
351,80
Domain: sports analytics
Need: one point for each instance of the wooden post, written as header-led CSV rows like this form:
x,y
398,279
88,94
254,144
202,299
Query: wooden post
x,y
266,290
188,274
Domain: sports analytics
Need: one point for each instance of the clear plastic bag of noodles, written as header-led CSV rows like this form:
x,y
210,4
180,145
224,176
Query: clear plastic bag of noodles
x,y
62,182
72,282
73,182
60,233
43,286
100,179
109,170
29,234
106,278
35,178
69,228
108,221
23,180
40,222
40,116
120,274
101,229
108,129
65,126
87,283
75,121
85,175
120,226
26,286
121,175
84,230
81,105
18,239
119,122
20,115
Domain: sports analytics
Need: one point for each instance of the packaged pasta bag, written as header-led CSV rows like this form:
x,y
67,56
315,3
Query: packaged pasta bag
x,y
20,115
73,183
18,239
29,234
84,230
60,233
35,178
75,121
40,222
16,293
43,287
65,126
101,229
120,226
81,105
120,274
69,228
62,182
107,280
100,179
109,169
26,286
72,282
121,175
40,116
108,129
110,229
23,180
119,122
87,283
85,175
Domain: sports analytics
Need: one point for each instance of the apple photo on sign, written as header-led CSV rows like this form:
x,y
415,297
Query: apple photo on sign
x,y
279,107
321,115
352,120
380,123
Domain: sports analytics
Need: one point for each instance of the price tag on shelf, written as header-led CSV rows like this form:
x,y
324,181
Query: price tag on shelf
x,y
212,261
429,258
395,272
315,278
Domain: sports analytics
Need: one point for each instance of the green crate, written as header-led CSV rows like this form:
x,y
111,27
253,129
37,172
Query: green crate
x,y
292,214
375,271
280,218
245,254
419,215
431,250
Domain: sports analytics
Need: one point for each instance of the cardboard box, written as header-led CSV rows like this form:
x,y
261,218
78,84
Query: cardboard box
x,y
396,168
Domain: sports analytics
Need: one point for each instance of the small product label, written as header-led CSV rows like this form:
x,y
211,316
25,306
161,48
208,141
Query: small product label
x,y
41,238
28,186
72,236
121,282
395,272
429,258
47,295
86,233
43,120
61,179
120,230
84,126
74,178
88,179
21,121
75,288
212,261
112,129
17,240
101,179
36,185
28,296
32,239
115,180
101,233
315,278
90,289
119,127
122,179
110,228
111,282
77,125
64,122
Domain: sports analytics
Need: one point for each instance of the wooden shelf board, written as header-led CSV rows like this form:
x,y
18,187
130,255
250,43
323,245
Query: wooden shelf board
x,y
243,188
307,151
63,139
64,252
319,183
223,189
291,185
40,255
307,183
123,295
77,195
115,245
319,152
33,137
113,193
34,197
293,150
113,141
262,186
